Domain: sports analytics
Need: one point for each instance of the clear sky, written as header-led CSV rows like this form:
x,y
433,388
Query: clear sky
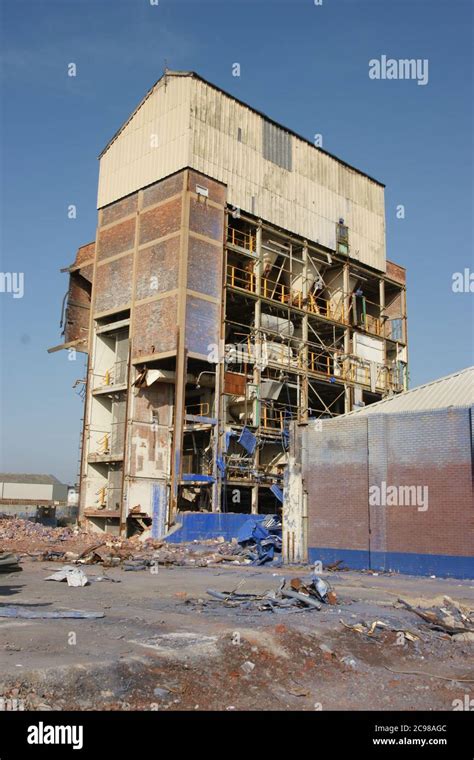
x,y
303,64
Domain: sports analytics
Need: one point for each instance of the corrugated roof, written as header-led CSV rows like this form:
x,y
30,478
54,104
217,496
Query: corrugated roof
x,y
237,100
454,390
15,477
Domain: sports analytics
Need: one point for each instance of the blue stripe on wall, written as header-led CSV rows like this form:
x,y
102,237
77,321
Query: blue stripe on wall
x,y
441,565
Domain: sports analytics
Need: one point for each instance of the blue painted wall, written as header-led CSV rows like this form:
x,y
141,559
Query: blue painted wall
x,y
441,565
198,526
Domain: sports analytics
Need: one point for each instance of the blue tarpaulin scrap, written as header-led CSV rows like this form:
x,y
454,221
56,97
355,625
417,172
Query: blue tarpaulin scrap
x,y
250,526
228,437
199,478
262,536
276,491
247,440
221,465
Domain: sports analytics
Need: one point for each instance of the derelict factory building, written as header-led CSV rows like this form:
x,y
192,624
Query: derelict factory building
x,y
238,282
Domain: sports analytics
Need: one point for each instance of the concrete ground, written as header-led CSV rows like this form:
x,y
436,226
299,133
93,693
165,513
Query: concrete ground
x,y
163,643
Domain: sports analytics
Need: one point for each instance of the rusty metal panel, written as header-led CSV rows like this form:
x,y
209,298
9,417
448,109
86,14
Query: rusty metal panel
x,y
234,384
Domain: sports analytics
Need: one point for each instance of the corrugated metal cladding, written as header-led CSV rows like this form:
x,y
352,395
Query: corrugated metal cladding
x,y
268,171
277,145
153,144
456,390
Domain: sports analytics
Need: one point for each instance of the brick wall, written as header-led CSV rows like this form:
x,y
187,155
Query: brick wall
x,y
396,272
429,450
335,476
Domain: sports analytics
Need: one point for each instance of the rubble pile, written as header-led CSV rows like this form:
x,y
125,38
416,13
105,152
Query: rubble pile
x,y
451,618
34,539
137,554
309,593
82,547
258,542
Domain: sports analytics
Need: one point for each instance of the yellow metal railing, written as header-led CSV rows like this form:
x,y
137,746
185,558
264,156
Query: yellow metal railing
x,y
245,279
104,444
317,362
355,372
240,239
198,410
272,419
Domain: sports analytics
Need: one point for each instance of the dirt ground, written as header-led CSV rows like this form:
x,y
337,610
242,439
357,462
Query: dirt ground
x,y
164,644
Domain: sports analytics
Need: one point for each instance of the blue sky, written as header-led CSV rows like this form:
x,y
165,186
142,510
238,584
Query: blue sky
x,y
302,64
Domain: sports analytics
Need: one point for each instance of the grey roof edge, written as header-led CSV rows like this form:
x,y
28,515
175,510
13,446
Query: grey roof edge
x,y
30,478
194,75
379,405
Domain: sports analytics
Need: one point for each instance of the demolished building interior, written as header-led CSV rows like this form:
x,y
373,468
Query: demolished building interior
x,y
237,283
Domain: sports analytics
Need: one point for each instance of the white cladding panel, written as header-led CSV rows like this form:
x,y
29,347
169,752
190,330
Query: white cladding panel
x,y
368,348
308,200
201,127
154,143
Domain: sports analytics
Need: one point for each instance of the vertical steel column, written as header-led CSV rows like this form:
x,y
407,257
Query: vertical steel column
x,y
181,357
382,329
258,351
347,334
304,392
405,335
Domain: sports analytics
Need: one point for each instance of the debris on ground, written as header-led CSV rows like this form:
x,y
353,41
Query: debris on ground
x,y
9,563
451,618
27,612
259,539
81,547
73,575
307,593
337,566
370,629
258,542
